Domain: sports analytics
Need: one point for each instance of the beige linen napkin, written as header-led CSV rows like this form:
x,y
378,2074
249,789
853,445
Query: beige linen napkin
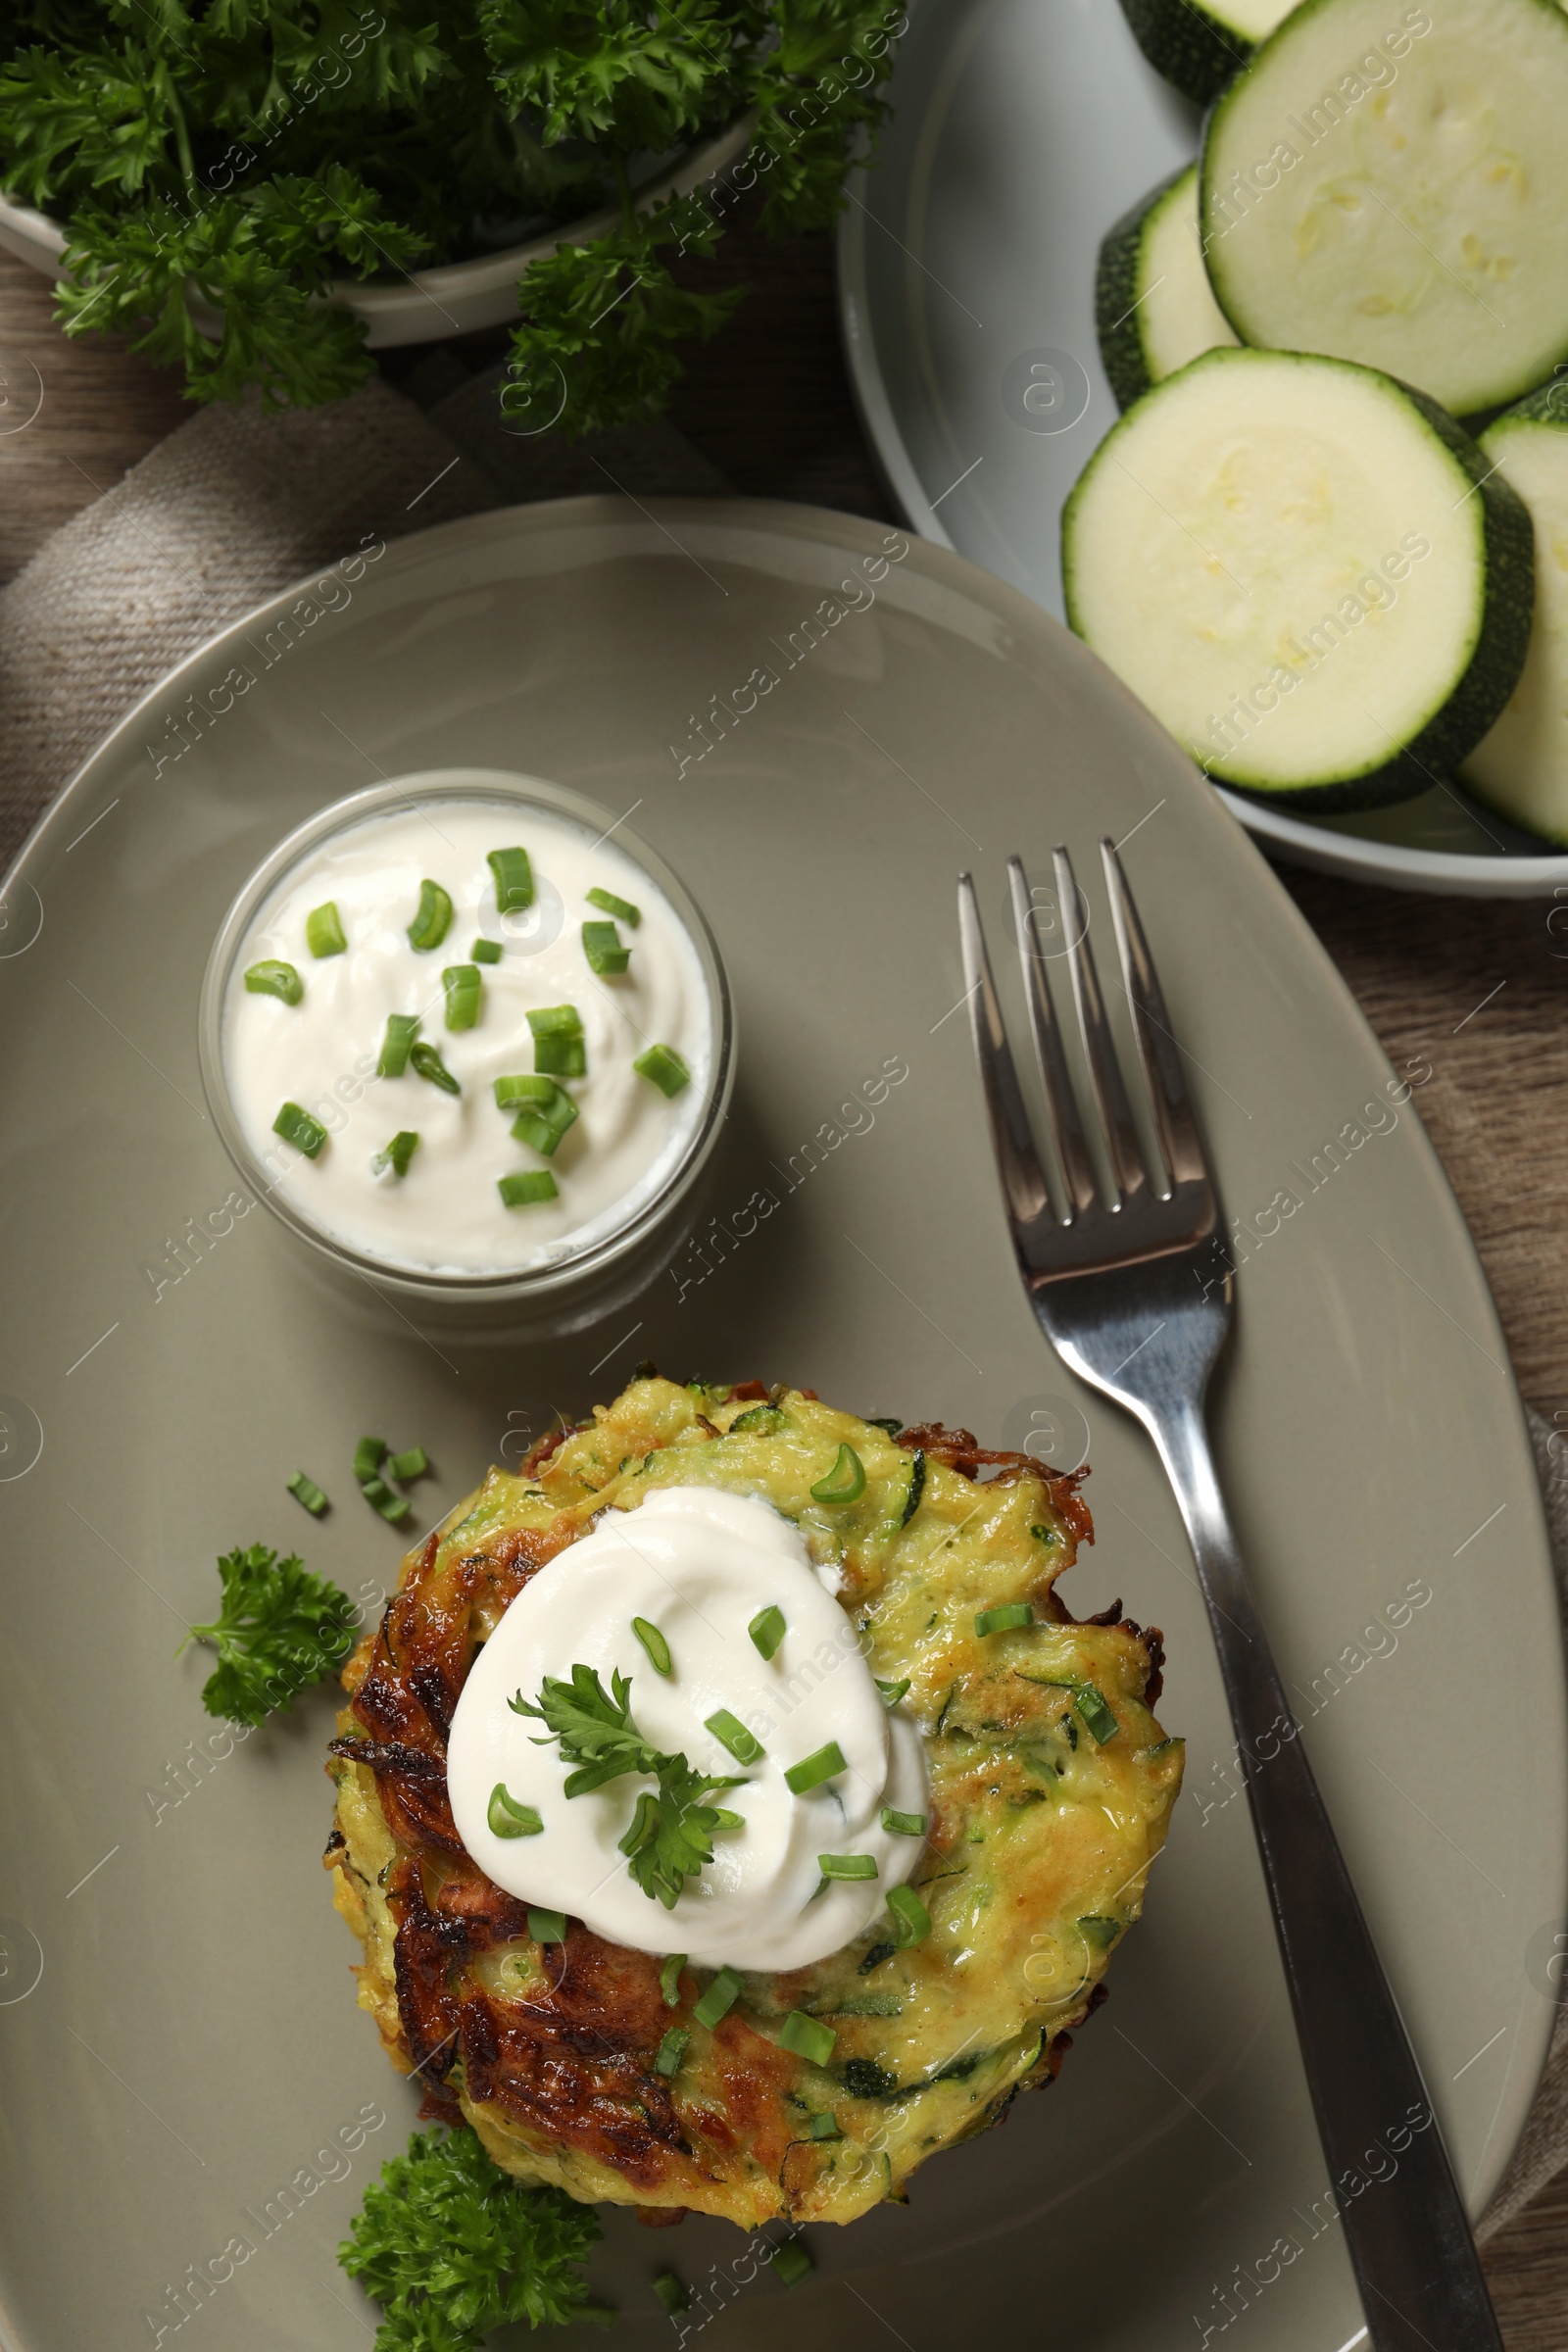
x,y
235,507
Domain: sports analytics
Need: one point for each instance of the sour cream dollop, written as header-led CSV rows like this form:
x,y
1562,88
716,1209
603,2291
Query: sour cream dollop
x,y
446,1214
699,1565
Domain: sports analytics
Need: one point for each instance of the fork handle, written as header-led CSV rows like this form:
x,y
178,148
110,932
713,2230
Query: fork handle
x,y
1405,2226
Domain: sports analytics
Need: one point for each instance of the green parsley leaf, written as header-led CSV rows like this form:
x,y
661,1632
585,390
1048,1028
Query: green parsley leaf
x,y
279,1630
452,2247
671,1835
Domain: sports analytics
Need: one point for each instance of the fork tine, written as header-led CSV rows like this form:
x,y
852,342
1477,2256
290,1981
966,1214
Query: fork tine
x,y
1023,1180
1182,1145
1061,1103
1105,1070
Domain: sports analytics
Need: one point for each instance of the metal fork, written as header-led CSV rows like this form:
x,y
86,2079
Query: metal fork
x,y
1135,1297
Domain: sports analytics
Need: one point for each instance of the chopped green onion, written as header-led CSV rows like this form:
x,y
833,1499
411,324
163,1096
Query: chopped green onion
x,y
402,1028
822,2126
726,1819
380,1494
621,908
369,1455
274,978
558,1051
767,1630
433,920
542,1125
324,931
824,1765
513,873
732,1734
653,1641
644,1824
662,1067
297,1127
1100,1933
792,2263
1005,1620
719,1998
486,950
845,1482
546,1926
525,1191
427,1063
670,2292
560,1057
522,1091
508,1819
462,988
669,1979
305,1490
1091,1703
1094,1710
847,1866
904,1825
556,1020
602,945
672,2050
411,1463
911,1921
892,1692
889,1422
807,2037
398,1154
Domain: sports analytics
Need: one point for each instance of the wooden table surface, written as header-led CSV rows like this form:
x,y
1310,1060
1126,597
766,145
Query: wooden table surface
x,y
1477,987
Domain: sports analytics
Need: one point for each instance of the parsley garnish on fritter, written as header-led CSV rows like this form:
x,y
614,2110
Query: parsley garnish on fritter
x,y
281,1628
672,1831
451,2247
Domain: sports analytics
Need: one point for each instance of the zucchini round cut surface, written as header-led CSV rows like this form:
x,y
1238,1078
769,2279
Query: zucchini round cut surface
x,y
1389,185
1154,306
1200,47
1297,565
1521,768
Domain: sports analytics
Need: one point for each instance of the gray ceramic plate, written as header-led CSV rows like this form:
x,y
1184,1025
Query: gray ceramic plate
x,y
1021,130
187,2083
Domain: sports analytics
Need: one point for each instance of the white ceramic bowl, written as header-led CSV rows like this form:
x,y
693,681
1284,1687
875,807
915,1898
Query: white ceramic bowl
x,y
427,304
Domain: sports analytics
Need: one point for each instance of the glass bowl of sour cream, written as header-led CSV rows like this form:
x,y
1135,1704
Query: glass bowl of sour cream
x,y
471,1041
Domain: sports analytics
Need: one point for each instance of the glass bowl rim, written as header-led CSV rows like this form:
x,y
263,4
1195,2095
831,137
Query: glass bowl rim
x,y
516,1284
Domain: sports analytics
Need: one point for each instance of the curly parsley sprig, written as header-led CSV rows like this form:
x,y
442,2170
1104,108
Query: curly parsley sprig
x,y
279,1630
217,166
671,1836
451,2247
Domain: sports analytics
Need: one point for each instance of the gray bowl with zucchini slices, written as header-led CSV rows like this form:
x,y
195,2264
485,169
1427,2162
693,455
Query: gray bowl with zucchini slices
x,y
1318,542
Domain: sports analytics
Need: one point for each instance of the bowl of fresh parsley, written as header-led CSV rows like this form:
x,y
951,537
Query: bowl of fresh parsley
x,y
265,195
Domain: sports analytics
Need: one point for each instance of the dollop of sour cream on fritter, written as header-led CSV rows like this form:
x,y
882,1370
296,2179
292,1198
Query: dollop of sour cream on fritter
x,y
700,1567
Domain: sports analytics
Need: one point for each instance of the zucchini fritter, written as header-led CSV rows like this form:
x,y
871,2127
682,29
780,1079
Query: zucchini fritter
x,y
1051,1786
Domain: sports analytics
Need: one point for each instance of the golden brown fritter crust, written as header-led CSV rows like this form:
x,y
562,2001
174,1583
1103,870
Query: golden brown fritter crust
x,y
550,2051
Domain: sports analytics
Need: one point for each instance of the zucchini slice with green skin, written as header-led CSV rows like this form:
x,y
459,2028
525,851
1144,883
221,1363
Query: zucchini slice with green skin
x,y
1154,306
1521,768
1389,184
1199,48
1299,567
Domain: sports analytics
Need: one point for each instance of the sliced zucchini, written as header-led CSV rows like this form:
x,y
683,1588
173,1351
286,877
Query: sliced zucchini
x,y
1297,566
1200,48
1153,307
1392,188
1521,768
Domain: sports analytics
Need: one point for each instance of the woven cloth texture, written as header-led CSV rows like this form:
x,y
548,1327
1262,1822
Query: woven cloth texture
x,y
237,505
